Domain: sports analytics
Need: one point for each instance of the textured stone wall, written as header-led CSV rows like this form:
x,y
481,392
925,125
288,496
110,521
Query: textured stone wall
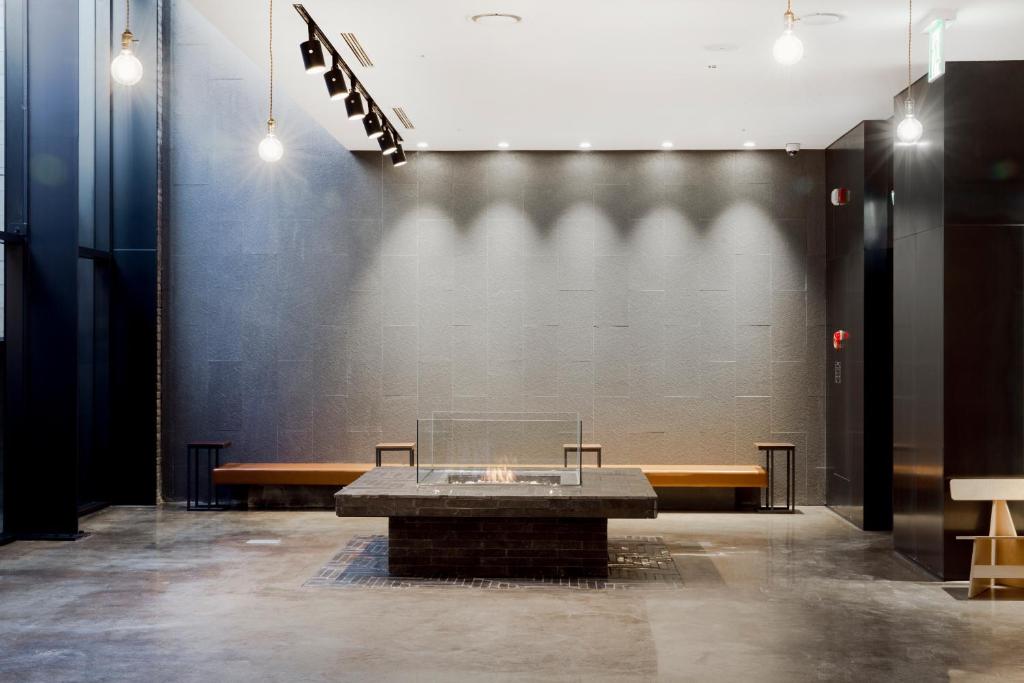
x,y
675,300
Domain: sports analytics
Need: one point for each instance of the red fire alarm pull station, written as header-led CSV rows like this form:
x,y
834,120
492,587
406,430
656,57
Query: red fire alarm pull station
x,y
840,196
838,337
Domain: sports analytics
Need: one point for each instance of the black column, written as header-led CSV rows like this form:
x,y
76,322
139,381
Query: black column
x,y
42,377
859,301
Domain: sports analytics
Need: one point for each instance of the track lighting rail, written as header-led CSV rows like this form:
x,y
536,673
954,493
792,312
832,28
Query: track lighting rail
x,y
355,84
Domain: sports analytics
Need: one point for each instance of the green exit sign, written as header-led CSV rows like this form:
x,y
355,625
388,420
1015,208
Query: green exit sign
x,y
936,50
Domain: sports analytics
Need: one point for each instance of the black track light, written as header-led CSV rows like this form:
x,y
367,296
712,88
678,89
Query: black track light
x,y
398,157
354,105
313,54
387,143
372,125
335,80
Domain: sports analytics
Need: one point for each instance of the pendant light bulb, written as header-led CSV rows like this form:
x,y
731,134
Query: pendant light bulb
x,y
910,129
788,49
270,148
126,68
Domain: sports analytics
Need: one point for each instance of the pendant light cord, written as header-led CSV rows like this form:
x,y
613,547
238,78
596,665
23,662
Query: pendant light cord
x,y
270,49
127,15
910,40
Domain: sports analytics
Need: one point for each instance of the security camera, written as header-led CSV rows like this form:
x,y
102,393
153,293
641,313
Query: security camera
x,y
792,149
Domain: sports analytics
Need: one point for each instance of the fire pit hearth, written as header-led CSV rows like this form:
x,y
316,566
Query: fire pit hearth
x,y
498,530
505,475
458,515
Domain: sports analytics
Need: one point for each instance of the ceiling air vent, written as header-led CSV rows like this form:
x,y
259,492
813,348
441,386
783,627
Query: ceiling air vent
x,y
403,117
357,49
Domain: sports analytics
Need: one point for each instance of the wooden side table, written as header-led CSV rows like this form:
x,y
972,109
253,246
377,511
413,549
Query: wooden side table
x,y
770,448
568,448
396,448
998,558
212,451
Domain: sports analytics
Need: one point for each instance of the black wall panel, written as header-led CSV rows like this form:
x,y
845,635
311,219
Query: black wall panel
x,y
859,300
958,307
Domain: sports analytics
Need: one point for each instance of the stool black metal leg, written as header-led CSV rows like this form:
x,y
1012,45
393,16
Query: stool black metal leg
x,y
792,454
195,471
216,463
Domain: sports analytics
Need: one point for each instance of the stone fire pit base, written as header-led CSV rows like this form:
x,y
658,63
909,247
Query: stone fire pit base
x,y
533,547
498,530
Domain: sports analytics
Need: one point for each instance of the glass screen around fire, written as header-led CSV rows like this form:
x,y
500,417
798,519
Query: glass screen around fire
x,y
472,449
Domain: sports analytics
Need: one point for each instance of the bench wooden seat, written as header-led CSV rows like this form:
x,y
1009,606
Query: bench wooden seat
x,y
290,473
704,476
342,474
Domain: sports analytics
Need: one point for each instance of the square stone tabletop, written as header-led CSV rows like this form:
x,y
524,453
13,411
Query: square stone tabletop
x,y
394,492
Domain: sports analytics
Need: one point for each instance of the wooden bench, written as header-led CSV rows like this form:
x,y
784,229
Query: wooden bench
x,y
998,558
342,474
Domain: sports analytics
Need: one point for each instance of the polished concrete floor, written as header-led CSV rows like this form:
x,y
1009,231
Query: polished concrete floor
x,y
160,594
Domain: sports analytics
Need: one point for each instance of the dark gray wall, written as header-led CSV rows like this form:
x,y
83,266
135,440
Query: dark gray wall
x,y
675,300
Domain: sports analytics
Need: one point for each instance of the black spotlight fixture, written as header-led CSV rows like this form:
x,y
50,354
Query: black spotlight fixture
x,y
398,157
372,125
354,105
342,83
313,54
387,142
335,80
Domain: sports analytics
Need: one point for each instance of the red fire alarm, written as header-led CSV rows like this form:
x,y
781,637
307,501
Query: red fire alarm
x,y
838,337
840,196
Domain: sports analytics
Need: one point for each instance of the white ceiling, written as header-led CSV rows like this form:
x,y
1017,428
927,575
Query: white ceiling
x,y
619,74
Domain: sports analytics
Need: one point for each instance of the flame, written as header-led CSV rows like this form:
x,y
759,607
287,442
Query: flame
x,y
499,475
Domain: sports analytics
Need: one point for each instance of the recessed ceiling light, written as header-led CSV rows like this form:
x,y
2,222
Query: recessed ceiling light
x,y
422,145
667,144
749,144
496,18
584,145
821,19
503,145
722,47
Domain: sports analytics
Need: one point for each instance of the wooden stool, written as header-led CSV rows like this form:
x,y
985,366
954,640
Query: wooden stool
x,y
397,447
769,448
998,559
584,448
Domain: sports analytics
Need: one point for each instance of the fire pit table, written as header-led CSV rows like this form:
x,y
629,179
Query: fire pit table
x,y
490,520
